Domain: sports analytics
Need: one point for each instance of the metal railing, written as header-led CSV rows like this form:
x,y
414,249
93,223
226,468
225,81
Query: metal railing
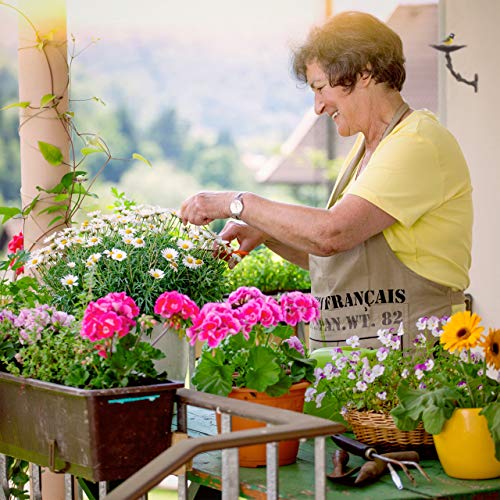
x,y
281,425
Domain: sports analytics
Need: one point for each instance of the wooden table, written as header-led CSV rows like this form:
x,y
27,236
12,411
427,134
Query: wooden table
x,y
296,481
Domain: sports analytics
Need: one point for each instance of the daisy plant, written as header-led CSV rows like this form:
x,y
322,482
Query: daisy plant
x,y
137,249
463,372
248,340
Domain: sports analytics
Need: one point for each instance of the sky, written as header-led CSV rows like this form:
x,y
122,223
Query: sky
x,y
227,21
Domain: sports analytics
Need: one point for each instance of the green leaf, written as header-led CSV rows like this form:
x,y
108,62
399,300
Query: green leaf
x,y
8,213
492,413
89,150
137,156
54,220
31,206
52,208
51,153
281,387
46,99
22,104
211,375
263,371
61,197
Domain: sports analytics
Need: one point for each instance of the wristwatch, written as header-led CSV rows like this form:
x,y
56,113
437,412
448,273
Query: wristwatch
x,y
236,206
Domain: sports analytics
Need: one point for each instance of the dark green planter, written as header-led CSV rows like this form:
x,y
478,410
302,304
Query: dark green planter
x,y
100,435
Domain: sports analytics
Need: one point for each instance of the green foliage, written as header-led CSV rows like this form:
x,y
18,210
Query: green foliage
x,y
17,474
492,414
418,405
268,272
57,353
271,367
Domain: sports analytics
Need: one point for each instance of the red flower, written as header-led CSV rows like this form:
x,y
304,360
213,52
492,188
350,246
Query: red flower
x,y
16,243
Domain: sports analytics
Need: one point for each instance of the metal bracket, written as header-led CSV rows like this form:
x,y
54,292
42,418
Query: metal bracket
x,y
52,457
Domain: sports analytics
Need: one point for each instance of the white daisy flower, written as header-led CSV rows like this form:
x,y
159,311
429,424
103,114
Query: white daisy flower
x,y
191,262
157,274
92,259
170,254
49,238
34,261
174,266
71,265
117,254
127,231
70,280
128,240
63,242
92,241
185,244
138,242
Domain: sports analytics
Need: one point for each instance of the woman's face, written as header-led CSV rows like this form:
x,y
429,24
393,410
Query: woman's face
x,y
341,106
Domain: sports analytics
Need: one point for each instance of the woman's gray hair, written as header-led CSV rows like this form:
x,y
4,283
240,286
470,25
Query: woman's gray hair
x,y
350,44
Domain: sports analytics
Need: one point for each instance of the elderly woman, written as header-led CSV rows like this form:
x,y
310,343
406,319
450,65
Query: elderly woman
x,y
394,242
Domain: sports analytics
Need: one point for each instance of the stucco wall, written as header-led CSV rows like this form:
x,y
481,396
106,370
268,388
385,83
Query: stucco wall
x,y
474,118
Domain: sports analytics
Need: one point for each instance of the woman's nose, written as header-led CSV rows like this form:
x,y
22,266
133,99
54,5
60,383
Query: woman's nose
x,y
319,106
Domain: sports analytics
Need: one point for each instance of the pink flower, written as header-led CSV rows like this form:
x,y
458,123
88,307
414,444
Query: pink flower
x,y
213,324
109,315
298,306
244,294
295,343
176,307
271,313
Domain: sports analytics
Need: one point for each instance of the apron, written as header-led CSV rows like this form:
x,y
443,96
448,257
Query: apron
x,y
368,288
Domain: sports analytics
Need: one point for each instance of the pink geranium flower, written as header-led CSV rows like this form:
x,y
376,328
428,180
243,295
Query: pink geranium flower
x,y
297,306
213,324
109,316
176,307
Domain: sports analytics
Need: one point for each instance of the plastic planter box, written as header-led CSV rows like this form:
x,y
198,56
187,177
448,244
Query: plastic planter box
x,y
99,435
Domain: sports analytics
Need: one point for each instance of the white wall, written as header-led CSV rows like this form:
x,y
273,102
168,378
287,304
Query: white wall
x,y
474,119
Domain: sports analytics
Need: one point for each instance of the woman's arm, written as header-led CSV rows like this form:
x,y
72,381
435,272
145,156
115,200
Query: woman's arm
x,y
306,230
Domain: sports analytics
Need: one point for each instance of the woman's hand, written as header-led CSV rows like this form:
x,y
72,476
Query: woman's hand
x,y
247,237
206,206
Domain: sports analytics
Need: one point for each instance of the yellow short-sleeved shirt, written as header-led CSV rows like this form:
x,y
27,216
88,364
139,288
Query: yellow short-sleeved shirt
x,y
418,175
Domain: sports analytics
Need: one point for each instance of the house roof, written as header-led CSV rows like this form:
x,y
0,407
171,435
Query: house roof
x,y
417,25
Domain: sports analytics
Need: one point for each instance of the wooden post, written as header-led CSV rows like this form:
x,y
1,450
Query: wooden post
x,y
43,70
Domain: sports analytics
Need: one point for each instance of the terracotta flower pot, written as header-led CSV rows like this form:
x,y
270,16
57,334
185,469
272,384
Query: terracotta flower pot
x,y
465,447
255,455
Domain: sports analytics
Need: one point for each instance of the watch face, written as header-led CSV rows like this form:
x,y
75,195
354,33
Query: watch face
x,y
236,208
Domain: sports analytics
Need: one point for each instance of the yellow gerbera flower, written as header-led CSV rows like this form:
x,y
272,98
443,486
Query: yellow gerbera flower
x,y
492,348
462,331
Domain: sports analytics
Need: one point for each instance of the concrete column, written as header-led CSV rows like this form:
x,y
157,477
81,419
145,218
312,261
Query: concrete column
x,y
43,70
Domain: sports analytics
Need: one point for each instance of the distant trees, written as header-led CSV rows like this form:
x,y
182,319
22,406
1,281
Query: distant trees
x,y
10,174
186,163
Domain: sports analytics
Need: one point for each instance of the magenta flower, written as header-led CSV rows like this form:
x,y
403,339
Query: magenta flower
x,y
176,307
244,294
109,315
298,306
213,324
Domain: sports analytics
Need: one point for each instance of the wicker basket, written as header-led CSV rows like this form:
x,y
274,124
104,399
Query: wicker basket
x,y
380,431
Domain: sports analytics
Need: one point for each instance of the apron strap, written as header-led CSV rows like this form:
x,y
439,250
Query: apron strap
x,y
344,180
